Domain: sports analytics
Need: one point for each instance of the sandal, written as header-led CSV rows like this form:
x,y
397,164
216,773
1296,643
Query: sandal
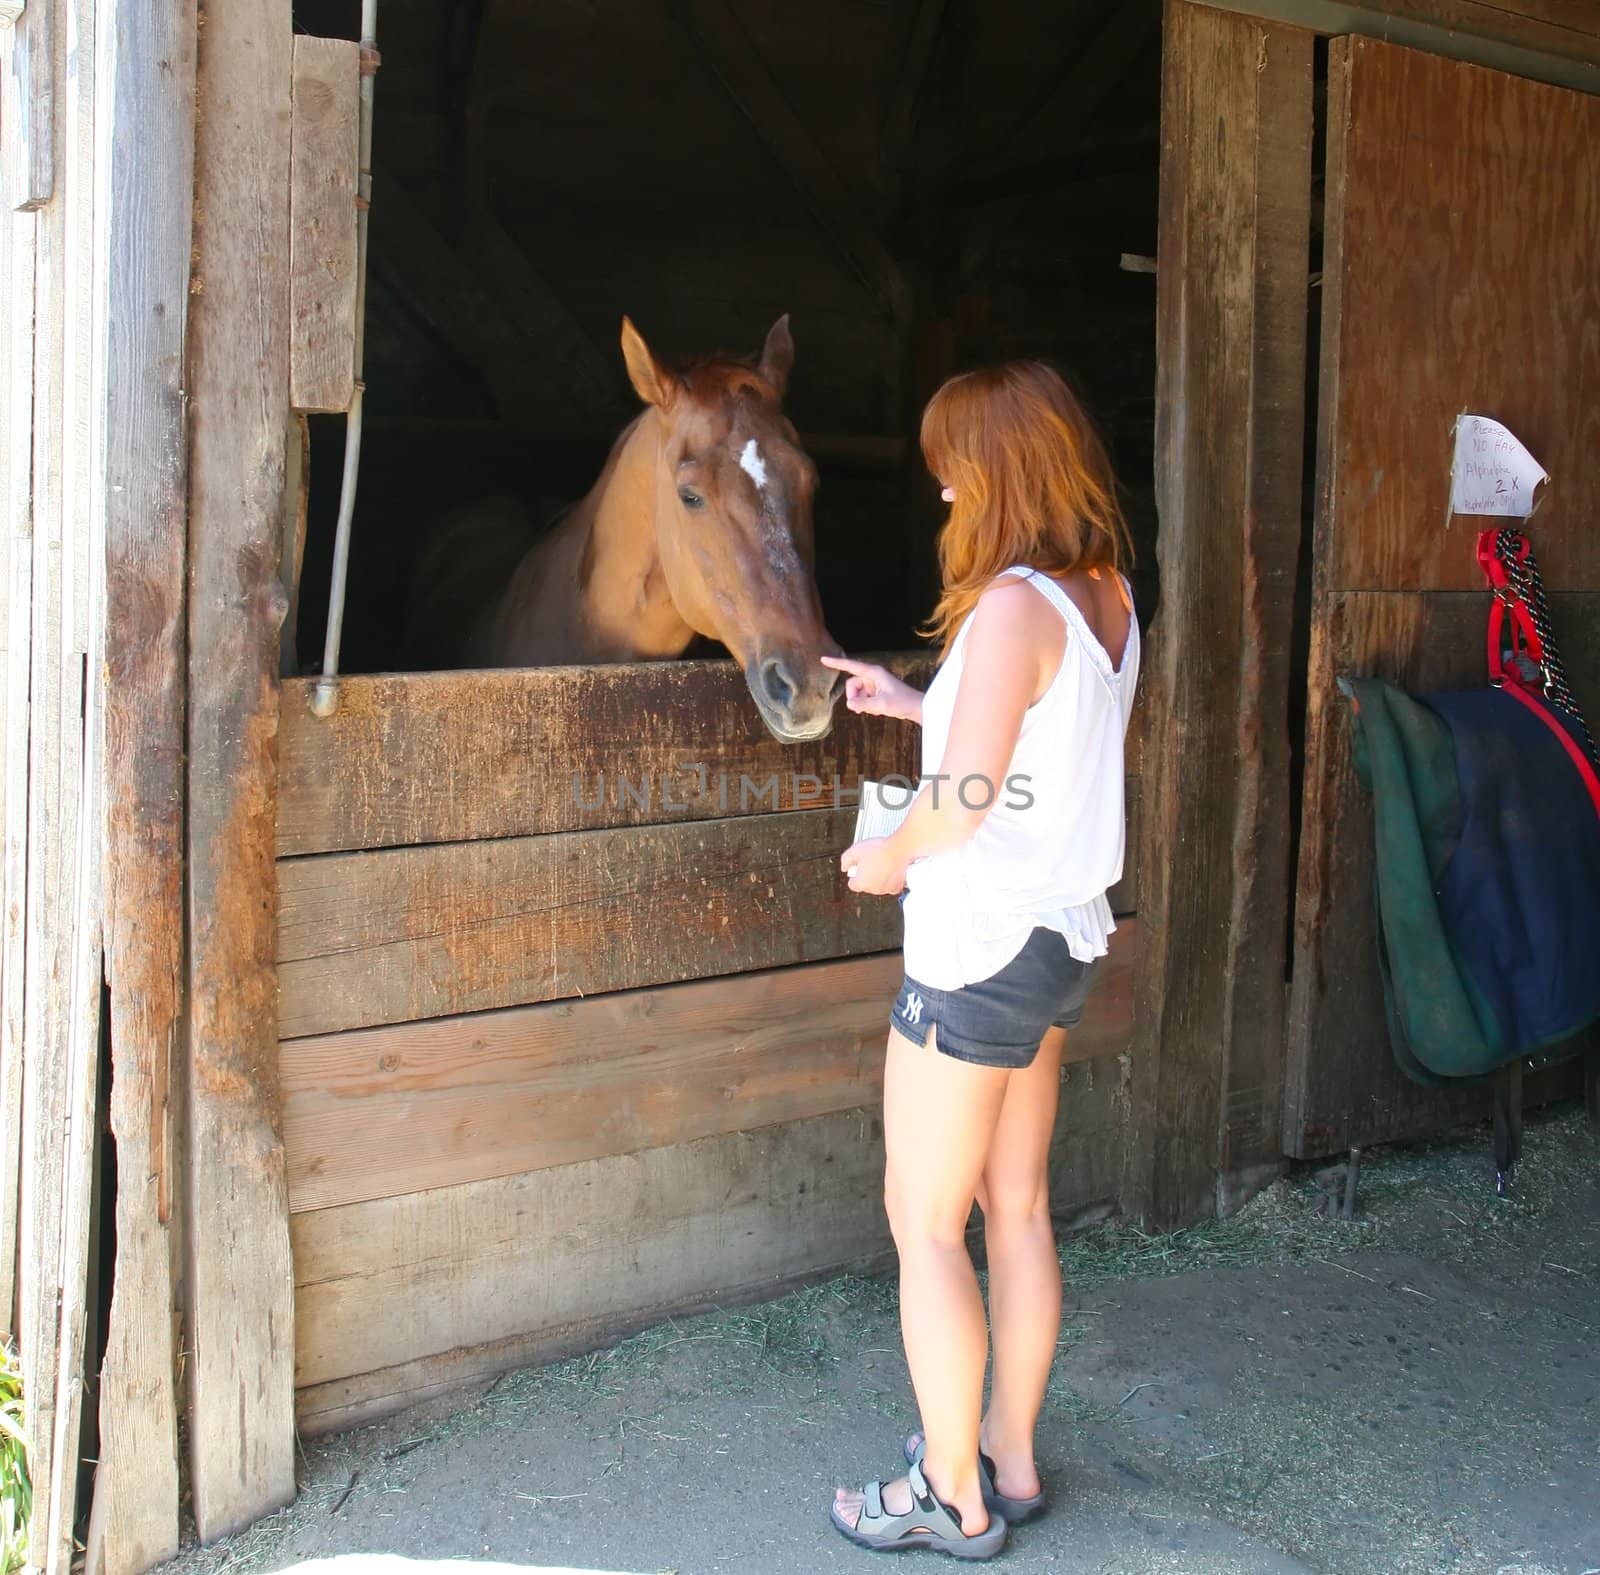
x,y
928,1524
1014,1510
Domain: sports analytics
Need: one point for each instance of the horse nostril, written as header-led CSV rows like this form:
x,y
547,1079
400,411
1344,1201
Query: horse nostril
x,y
778,683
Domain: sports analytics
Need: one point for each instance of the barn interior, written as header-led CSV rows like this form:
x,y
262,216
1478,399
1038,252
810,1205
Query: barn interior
x,y
923,185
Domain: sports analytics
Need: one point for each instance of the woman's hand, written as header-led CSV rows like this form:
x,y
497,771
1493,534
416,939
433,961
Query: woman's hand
x,y
874,867
875,691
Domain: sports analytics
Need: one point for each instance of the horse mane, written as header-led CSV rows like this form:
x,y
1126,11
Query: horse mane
x,y
709,375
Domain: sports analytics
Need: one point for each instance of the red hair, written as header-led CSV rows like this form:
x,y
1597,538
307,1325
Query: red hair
x,y
1032,479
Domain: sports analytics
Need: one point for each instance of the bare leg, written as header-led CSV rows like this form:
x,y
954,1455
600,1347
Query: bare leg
x,y
939,1116
1024,1270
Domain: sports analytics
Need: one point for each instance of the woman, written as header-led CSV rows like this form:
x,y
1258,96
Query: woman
x,y
1004,859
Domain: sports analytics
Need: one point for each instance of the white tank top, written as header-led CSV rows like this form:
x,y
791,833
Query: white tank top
x,y
1052,843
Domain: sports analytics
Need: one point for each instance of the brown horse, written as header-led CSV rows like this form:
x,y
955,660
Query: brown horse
x,y
700,523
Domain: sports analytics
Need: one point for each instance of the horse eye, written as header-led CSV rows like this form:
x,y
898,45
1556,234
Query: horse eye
x,y
690,500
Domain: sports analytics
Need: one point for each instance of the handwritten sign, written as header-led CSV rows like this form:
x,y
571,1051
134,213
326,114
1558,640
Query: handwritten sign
x,y
1492,473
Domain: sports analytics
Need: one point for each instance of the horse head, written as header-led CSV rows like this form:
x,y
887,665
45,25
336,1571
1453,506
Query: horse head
x,y
733,496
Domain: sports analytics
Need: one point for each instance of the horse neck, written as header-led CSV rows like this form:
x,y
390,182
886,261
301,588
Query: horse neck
x,y
625,597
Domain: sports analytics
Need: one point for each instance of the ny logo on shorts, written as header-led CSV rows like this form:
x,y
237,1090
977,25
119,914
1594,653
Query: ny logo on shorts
x,y
913,1008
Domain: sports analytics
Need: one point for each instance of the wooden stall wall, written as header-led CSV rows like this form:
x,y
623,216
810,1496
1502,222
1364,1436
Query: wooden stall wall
x,y
1463,223
51,973
580,1024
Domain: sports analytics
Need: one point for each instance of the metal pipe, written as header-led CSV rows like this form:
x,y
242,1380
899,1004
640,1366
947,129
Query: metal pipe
x,y
325,698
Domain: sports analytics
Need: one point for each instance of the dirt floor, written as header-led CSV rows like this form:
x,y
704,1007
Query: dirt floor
x,y
1415,1391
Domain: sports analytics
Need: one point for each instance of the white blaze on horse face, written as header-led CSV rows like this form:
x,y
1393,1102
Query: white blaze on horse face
x,y
752,464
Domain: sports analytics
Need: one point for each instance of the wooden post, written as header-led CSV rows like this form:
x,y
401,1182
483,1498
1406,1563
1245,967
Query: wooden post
x,y
239,1288
148,56
27,100
16,473
1232,279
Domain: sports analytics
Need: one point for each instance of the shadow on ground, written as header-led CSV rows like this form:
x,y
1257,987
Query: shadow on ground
x,y
1416,1392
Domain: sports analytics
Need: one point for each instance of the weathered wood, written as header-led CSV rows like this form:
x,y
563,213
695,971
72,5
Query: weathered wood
x,y
292,546
27,107
82,311
1544,40
54,782
443,757
1343,1086
384,1111
408,1294
1383,199
1507,339
407,933
324,160
716,41
1234,235
380,1112
239,1281
16,505
150,97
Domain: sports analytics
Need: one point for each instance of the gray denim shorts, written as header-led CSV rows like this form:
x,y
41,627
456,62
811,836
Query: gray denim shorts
x,y
1000,1020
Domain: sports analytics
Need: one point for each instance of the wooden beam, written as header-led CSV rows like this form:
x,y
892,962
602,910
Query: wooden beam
x,y
82,308
238,1284
717,41
407,933
384,1111
27,105
16,516
407,1296
455,757
1548,42
149,55
325,155
381,1112
1231,285
54,801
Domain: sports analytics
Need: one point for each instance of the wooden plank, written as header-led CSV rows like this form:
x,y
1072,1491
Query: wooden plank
x,y
16,502
1233,242
324,161
407,933
384,1111
292,545
441,1286
443,757
27,105
149,98
380,1112
1421,127
1544,40
447,757
82,310
238,1281
1343,1085
53,803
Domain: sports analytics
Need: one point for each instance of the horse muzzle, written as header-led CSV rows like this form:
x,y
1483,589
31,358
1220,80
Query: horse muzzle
x,y
795,695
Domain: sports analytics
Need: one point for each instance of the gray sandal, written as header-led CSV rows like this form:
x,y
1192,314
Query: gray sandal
x,y
928,1524
1014,1510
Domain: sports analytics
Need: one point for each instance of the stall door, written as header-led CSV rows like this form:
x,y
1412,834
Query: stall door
x,y
1461,271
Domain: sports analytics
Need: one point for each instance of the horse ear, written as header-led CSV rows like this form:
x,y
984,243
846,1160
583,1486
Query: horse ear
x,y
652,382
777,355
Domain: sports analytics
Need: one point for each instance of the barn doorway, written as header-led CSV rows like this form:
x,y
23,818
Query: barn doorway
x,y
923,185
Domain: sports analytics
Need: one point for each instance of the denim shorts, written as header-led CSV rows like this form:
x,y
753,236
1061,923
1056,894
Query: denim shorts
x,y
1000,1020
